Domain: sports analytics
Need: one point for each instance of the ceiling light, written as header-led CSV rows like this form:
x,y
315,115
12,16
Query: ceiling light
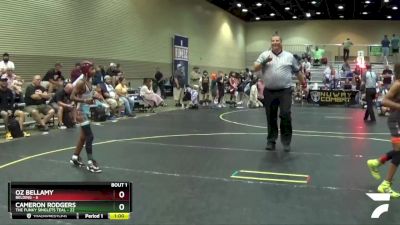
x,y
395,8
245,10
258,18
313,2
386,0
287,8
239,5
367,2
272,14
294,17
389,17
340,7
318,13
259,4
308,14
365,13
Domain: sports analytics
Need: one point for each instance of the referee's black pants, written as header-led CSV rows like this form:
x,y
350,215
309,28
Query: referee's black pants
x,y
370,94
282,99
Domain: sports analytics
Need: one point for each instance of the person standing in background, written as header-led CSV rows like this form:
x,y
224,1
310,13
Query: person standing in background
x,y
385,49
346,48
160,82
395,48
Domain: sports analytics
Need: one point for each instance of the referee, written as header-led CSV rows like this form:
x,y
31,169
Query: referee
x,y
277,67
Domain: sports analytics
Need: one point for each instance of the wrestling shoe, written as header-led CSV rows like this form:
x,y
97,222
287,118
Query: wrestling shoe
x,y
26,134
373,165
76,161
93,167
385,187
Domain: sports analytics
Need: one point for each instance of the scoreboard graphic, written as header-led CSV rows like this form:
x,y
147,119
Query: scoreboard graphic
x,y
70,200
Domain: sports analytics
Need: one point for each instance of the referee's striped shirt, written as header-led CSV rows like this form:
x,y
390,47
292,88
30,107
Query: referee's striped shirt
x,y
277,74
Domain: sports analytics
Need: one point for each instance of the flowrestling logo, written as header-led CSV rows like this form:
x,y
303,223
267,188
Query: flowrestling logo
x,y
379,197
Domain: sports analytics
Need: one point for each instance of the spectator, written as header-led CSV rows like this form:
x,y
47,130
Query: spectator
x,y
98,76
213,87
14,82
147,93
6,63
306,67
395,47
8,110
110,95
318,55
76,72
179,86
346,70
160,82
101,102
122,91
387,77
53,80
195,76
205,88
385,49
347,85
35,99
221,89
63,105
327,75
113,73
346,48
253,100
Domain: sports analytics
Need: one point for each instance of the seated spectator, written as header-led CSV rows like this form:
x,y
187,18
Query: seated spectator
x,y
35,99
113,72
306,67
53,80
387,77
63,105
122,92
254,101
347,85
7,109
111,96
318,55
99,76
146,91
14,82
101,102
76,72
346,70
6,63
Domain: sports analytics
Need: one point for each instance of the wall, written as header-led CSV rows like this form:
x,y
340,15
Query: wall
x,y
135,33
321,32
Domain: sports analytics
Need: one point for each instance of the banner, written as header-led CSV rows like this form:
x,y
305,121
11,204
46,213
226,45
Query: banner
x,y
181,56
333,97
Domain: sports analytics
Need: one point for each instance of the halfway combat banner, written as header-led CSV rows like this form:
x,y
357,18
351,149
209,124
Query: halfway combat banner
x,y
181,55
333,97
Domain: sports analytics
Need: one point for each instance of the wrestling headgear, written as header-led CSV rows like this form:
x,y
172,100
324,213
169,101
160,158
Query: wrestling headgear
x,y
86,67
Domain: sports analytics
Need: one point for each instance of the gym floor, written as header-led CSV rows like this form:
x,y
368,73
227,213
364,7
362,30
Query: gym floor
x,y
209,166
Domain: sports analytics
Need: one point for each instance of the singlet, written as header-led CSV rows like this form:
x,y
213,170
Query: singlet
x,y
395,113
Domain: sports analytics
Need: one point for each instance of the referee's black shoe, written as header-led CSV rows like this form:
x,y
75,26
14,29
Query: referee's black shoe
x,y
270,146
286,148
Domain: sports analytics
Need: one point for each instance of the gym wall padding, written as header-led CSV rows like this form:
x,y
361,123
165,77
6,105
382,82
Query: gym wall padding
x,y
135,33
